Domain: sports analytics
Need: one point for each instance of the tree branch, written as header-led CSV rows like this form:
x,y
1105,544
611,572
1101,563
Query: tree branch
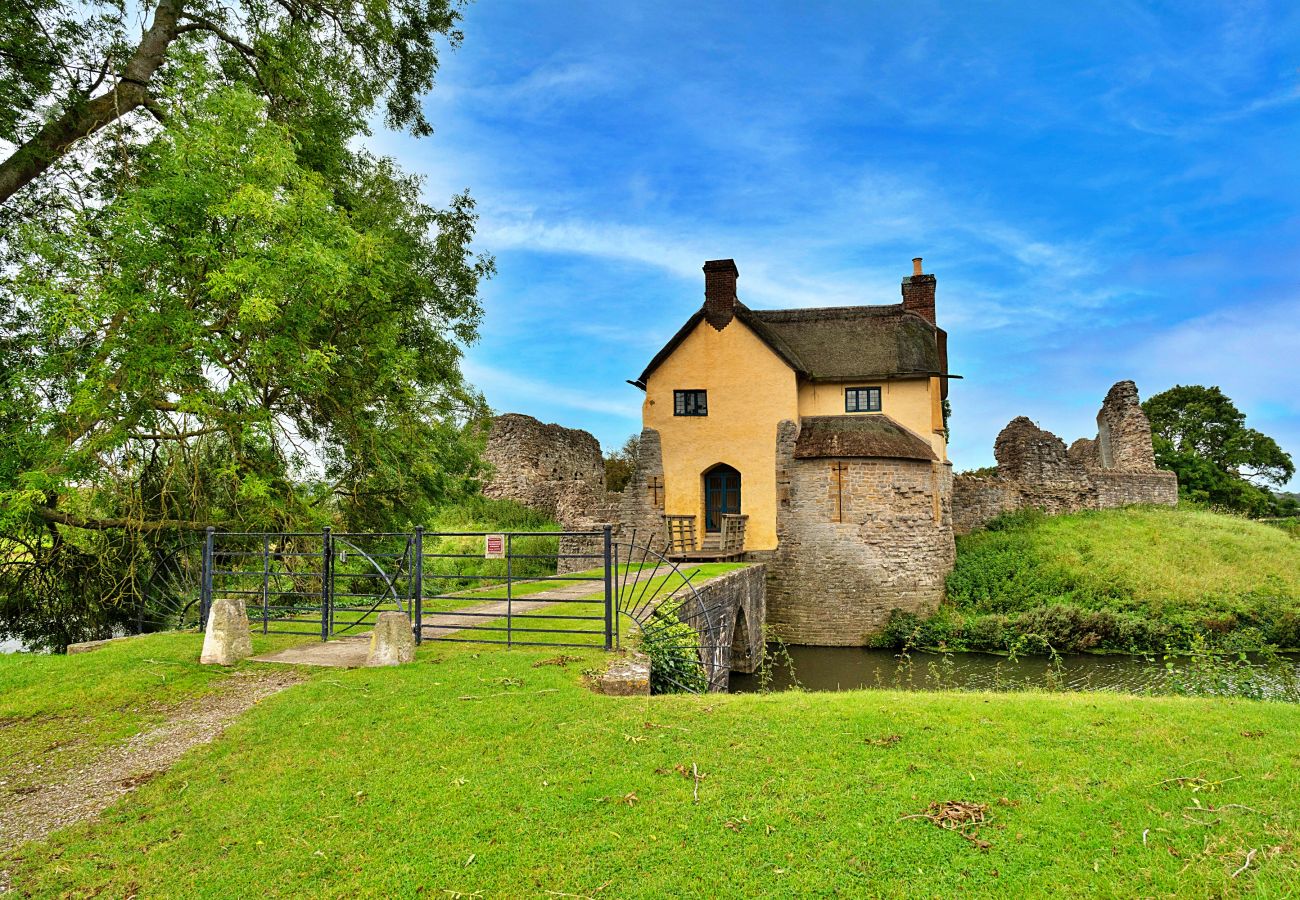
x,y
83,118
58,518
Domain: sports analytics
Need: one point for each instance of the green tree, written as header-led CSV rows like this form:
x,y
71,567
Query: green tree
x,y
69,71
1201,435
621,464
231,339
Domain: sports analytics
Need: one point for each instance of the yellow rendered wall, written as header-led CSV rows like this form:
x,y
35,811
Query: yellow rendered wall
x,y
751,390
911,402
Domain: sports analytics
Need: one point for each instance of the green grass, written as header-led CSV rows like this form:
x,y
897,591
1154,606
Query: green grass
x,y
68,707
1136,579
484,772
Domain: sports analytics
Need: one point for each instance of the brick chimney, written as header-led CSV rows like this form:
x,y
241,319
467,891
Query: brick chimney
x,y
918,292
720,291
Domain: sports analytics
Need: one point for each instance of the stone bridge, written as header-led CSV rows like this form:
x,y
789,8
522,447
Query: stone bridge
x,y
728,613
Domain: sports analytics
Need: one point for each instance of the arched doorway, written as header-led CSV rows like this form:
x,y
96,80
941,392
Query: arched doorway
x,y
721,495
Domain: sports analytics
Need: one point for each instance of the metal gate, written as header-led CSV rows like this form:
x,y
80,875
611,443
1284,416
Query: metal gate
x,y
514,588
541,588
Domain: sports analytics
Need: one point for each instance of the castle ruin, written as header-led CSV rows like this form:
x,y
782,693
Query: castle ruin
x,y
865,517
1035,469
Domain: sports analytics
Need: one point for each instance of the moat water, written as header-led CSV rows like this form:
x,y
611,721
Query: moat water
x,y
851,668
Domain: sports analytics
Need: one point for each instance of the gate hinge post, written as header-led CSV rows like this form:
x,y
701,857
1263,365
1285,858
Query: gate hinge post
x,y
609,587
326,582
418,612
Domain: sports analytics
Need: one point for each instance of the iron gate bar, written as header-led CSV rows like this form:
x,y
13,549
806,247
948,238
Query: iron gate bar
x,y
417,589
266,579
509,597
326,581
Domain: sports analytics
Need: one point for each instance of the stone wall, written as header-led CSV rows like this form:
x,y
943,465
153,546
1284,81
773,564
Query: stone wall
x,y
641,505
736,605
558,471
555,470
1035,469
856,545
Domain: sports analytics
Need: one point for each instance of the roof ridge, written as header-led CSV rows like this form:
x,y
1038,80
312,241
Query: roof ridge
x,y
832,312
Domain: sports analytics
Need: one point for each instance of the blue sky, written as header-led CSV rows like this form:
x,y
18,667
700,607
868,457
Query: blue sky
x,y
1104,190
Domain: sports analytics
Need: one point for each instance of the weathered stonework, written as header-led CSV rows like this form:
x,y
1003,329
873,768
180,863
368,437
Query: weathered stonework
x,y
858,538
641,506
625,676
1124,432
555,470
736,604
558,471
1117,468
392,643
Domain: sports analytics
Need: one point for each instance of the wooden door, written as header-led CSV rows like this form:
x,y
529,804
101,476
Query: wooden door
x,y
721,495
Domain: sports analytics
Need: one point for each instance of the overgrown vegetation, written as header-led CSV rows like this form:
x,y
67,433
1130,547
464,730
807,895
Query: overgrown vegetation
x,y
483,772
673,648
1136,580
620,464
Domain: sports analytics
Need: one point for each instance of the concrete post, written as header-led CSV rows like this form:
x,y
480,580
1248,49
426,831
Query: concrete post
x,y
393,640
227,639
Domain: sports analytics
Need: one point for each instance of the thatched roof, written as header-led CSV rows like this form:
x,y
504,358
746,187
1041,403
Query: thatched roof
x,y
863,435
838,342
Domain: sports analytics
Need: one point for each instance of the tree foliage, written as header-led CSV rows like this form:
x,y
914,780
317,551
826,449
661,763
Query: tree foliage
x,y
70,70
1201,435
621,464
225,313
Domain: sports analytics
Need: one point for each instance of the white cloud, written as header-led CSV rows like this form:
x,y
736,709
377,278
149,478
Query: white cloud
x,y
1250,351
495,382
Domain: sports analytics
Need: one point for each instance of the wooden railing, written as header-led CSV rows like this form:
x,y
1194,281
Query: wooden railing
x,y
729,539
681,534
733,533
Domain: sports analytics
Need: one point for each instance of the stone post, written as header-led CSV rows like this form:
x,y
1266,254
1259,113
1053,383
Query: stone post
x,y
227,639
393,640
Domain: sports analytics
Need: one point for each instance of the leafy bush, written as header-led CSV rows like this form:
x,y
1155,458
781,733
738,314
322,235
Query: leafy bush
x,y
674,651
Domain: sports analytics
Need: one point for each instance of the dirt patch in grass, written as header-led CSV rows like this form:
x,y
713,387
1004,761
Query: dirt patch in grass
x,y
50,798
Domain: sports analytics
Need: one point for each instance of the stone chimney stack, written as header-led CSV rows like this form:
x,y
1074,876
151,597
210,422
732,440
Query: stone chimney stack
x,y
720,291
918,292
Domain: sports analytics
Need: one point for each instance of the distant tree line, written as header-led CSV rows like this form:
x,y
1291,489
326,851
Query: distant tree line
x,y
620,464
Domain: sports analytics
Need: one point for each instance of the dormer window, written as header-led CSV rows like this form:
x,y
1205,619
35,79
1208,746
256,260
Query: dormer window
x,y
690,403
862,399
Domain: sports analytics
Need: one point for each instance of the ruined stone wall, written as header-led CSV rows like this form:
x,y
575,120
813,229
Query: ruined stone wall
x,y
1117,468
1124,432
556,470
852,550
978,499
641,506
1116,489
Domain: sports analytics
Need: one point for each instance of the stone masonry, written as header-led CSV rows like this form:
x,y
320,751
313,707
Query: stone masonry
x,y
555,470
641,505
858,539
1035,469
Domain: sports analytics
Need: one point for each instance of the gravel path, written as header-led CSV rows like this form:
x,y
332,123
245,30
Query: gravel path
x,y
81,793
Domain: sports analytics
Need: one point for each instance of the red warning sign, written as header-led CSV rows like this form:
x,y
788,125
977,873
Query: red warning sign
x,y
494,546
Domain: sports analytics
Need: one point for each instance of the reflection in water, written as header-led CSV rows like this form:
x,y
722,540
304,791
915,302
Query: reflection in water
x,y
849,668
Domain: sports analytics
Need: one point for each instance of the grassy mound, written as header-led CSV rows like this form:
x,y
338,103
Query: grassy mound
x,y
1141,579
495,774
